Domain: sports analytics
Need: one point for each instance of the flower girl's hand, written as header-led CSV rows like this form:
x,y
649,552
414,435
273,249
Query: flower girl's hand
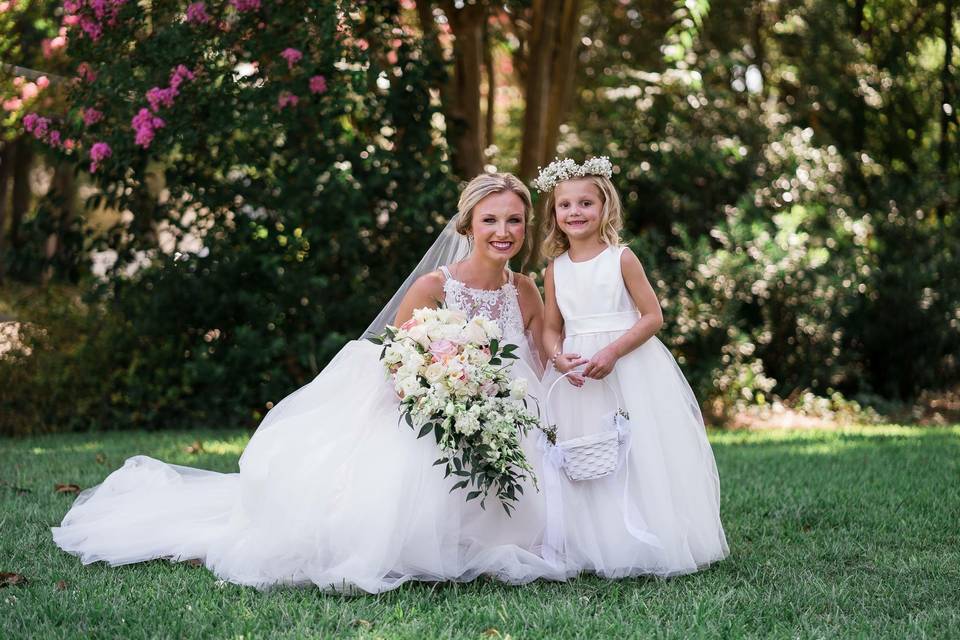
x,y
566,362
601,364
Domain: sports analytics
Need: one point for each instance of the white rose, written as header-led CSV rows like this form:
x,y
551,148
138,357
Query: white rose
x,y
518,388
392,355
421,334
435,372
490,327
474,332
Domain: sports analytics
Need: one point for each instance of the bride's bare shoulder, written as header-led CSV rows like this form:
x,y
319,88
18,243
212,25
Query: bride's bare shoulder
x,y
429,283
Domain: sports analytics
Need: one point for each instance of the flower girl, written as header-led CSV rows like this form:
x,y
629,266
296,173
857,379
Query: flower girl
x,y
659,511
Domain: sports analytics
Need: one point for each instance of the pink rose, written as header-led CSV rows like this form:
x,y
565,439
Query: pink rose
x,y
443,349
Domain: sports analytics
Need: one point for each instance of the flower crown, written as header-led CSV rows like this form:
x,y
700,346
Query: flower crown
x,y
566,169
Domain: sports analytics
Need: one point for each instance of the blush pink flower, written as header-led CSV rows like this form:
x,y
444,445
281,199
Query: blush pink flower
x,y
287,99
318,84
98,152
29,91
91,116
442,349
43,82
292,56
12,104
197,13
71,20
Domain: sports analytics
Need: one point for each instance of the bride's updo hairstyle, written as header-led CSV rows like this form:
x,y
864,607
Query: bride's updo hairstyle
x,y
484,185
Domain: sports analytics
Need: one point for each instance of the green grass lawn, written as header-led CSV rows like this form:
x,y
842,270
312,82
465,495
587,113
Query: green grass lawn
x,y
848,533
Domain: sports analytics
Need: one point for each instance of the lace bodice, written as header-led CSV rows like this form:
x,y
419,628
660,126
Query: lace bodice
x,y
500,305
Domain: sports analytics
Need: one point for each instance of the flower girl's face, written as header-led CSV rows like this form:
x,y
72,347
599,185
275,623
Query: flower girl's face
x,y
579,208
498,225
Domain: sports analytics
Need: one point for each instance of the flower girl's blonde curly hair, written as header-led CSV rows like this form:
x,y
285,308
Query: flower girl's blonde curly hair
x,y
556,242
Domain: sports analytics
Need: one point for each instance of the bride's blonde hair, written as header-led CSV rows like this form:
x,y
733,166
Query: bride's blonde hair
x,y
484,185
556,242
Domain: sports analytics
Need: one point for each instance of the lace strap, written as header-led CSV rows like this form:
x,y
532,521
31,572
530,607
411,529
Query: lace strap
x,y
446,272
510,276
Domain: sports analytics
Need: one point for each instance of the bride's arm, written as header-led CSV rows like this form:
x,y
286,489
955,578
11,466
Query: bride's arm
x,y
426,291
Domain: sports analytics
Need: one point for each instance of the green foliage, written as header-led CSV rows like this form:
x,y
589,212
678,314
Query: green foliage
x,y
258,233
779,169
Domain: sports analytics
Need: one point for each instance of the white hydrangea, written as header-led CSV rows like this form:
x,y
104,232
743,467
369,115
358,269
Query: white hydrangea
x,y
566,169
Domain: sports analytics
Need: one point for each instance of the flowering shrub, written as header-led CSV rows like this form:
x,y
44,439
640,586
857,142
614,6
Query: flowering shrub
x,y
274,177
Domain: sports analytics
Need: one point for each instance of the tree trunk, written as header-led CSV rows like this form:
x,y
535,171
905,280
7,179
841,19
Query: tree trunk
x,y
22,163
489,138
64,190
6,160
460,97
946,82
551,71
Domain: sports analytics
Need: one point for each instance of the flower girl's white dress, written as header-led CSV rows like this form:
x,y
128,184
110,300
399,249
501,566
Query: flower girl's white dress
x,y
332,490
660,512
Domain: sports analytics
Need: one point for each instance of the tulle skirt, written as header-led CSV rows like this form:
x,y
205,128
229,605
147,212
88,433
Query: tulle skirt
x,y
659,514
332,490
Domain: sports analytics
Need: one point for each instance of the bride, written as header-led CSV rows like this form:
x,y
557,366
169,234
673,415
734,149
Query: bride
x,y
331,489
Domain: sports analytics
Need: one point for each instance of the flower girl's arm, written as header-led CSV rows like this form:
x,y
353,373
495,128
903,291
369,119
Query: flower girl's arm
x,y
651,318
553,332
426,291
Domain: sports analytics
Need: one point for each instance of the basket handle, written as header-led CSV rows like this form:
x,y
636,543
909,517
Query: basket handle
x,y
546,401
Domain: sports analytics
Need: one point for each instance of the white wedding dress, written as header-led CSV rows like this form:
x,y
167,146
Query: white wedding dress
x,y
659,514
332,490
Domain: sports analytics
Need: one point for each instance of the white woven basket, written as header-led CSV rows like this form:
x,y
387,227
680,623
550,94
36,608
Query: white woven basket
x,y
595,455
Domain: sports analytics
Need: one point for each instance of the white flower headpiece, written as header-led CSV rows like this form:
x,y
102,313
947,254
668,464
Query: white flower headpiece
x,y
566,169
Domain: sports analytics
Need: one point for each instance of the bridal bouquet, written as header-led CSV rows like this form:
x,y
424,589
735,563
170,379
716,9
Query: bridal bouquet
x,y
452,378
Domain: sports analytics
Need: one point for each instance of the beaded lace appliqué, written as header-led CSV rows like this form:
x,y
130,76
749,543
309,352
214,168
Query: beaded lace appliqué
x,y
500,306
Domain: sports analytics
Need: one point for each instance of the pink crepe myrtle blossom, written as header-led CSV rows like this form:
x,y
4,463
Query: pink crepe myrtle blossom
x,y
292,56
91,116
98,152
287,99
245,5
197,13
318,84
145,125
158,97
54,138
92,28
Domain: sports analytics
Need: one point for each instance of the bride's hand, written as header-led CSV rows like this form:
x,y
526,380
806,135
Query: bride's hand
x,y
566,362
